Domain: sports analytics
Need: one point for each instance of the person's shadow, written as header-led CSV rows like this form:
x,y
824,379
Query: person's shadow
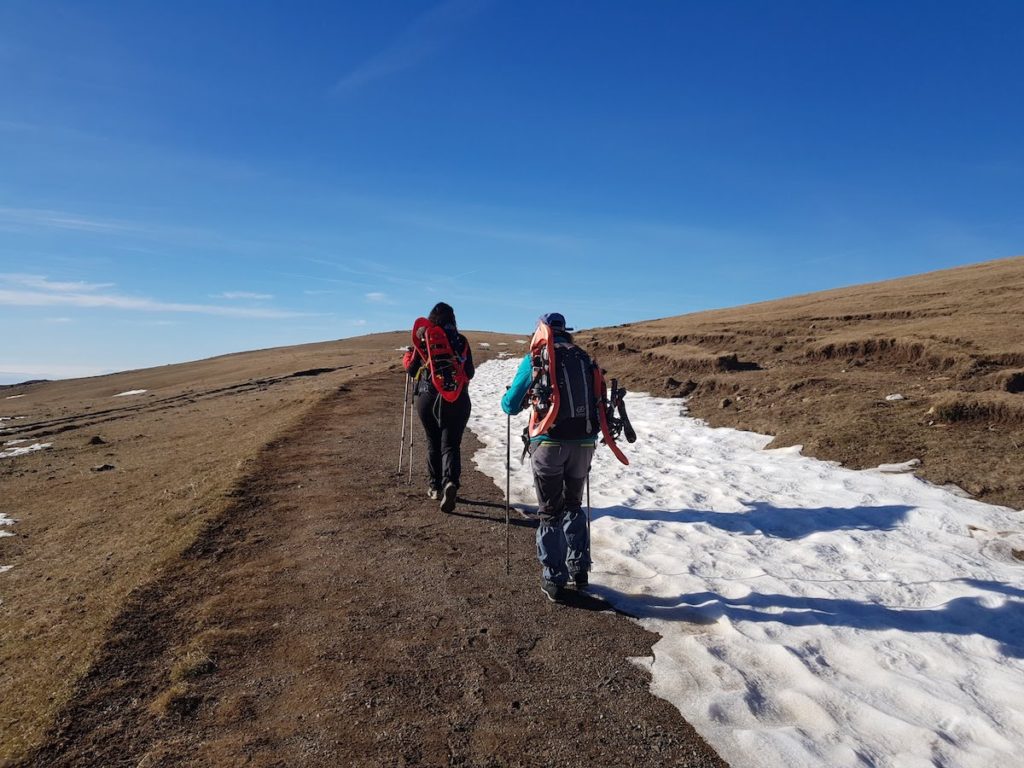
x,y
960,616
467,511
777,522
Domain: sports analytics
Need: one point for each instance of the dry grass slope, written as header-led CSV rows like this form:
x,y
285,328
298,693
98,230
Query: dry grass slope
x,y
85,540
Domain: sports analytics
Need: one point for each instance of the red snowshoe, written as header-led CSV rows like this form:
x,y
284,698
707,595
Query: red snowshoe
x,y
432,344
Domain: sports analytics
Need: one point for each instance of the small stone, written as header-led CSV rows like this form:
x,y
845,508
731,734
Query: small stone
x,y
726,402
104,468
97,440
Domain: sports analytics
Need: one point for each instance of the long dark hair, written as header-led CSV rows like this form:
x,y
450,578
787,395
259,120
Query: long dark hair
x,y
442,314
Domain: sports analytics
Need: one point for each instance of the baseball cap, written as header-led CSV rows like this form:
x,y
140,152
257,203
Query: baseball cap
x,y
555,320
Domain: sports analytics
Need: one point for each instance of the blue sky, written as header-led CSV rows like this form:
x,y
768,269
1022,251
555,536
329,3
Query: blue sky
x,y
184,179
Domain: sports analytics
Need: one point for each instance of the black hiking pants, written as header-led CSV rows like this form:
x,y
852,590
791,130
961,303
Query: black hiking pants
x,y
444,424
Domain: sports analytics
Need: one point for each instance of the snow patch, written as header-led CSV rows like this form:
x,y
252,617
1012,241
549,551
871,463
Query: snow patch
x,y
809,614
11,452
131,392
13,397
895,397
5,521
485,344
903,466
789,450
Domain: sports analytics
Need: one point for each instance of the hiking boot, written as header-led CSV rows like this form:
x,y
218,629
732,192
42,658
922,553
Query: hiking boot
x,y
448,496
554,592
581,580
433,494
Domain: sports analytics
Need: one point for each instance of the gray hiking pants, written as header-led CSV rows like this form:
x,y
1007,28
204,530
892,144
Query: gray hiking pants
x,y
560,476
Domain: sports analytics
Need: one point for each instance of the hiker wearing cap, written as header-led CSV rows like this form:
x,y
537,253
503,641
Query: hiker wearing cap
x,y
444,420
555,379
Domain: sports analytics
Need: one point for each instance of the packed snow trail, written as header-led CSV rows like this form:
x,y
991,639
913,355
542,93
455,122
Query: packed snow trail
x,y
810,615
5,521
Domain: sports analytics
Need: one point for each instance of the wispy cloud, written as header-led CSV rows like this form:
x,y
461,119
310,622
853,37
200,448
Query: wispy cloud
x,y
128,234
49,130
50,219
530,236
426,35
103,301
37,291
16,126
359,322
376,297
378,272
474,220
242,295
42,283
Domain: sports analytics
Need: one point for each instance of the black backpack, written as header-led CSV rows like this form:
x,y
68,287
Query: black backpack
x,y
573,372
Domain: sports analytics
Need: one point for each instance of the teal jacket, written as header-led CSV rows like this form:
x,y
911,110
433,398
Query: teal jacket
x,y
515,399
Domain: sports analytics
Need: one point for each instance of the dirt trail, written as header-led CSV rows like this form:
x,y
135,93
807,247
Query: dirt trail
x,y
335,617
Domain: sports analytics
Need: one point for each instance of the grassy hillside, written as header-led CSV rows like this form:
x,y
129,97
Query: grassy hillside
x,y
126,485
817,370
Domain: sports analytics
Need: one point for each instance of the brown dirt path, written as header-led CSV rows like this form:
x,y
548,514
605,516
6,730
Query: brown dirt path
x,y
336,617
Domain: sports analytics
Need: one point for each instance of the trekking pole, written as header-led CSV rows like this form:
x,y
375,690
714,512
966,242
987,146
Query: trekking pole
x,y
508,482
401,442
412,433
591,563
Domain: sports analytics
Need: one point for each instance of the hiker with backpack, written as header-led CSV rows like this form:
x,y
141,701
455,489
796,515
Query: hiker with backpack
x,y
441,365
556,379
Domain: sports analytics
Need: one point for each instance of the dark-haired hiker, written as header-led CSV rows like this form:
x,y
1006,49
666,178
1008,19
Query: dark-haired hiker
x,y
443,422
560,468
